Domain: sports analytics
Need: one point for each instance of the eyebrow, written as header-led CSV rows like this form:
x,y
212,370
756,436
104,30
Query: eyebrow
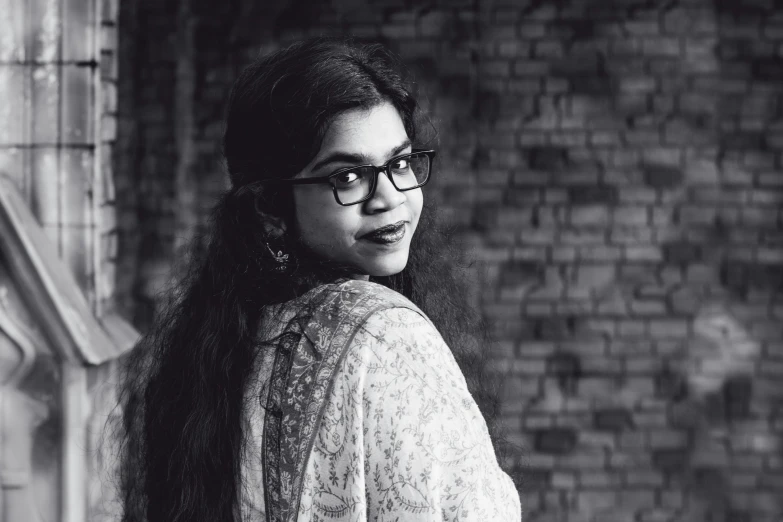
x,y
347,157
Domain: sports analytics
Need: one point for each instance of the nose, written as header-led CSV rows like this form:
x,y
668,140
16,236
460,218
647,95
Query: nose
x,y
386,197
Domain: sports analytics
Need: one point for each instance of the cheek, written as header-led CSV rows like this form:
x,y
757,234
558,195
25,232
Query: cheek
x,y
416,203
305,216
323,222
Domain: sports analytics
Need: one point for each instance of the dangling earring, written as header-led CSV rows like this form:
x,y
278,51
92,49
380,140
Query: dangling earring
x,y
280,258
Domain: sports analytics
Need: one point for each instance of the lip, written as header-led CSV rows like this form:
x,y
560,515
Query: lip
x,y
387,228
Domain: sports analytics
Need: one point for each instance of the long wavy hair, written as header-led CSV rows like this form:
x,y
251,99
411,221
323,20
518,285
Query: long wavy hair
x,y
181,441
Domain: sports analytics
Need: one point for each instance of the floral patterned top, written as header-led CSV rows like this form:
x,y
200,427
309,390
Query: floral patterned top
x,y
365,416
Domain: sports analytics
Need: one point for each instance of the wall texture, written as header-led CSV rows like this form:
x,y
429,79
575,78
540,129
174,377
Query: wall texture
x,y
616,168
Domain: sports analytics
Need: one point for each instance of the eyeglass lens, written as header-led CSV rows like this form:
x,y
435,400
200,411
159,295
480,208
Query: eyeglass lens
x,y
407,172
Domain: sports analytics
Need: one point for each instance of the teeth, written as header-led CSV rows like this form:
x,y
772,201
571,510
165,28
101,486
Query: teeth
x,y
388,236
392,230
388,232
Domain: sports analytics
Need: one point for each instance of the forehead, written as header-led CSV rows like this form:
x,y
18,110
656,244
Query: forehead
x,y
368,132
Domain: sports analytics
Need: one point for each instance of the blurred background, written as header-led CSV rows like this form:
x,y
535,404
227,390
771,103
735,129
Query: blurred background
x,y
614,167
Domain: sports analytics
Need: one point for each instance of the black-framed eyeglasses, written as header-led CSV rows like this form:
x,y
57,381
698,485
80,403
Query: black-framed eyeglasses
x,y
352,185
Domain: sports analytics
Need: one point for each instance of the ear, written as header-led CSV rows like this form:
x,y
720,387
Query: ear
x,y
273,225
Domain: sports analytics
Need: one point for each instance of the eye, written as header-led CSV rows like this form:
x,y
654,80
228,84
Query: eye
x,y
400,165
346,178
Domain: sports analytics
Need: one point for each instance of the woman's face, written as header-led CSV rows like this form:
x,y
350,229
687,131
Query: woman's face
x,y
358,137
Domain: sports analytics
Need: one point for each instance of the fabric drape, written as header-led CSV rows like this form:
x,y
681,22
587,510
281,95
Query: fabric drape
x,y
363,414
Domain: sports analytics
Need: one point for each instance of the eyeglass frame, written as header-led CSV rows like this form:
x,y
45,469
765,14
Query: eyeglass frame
x,y
430,154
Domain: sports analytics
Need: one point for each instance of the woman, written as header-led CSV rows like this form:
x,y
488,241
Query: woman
x,y
302,370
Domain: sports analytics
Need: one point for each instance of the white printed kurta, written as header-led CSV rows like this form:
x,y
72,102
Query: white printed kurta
x,y
399,436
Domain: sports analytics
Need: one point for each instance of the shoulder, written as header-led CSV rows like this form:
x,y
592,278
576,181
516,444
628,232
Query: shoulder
x,y
400,344
376,293
349,305
422,430
400,327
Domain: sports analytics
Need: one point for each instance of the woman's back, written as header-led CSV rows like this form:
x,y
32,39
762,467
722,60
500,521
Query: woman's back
x,y
375,420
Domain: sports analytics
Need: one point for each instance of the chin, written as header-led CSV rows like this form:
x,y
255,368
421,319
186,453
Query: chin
x,y
386,266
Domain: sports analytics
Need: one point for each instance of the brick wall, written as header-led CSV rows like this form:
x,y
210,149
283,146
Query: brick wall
x,y
616,168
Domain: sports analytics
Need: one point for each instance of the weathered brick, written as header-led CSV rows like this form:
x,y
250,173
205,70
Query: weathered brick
x,y
531,177
548,48
555,441
632,441
696,215
547,158
589,215
662,46
599,479
563,480
668,439
590,279
641,364
582,460
563,254
737,393
637,85
533,309
668,328
399,31
586,347
573,137
765,197
594,502
673,499
614,419
579,176
496,68
642,253
770,179
663,176
631,215
632,236
597,386
529,367
601,253
593,194
670,459
555,195
629,460
638,499
533,253
530,67
535,479
631,328
681,252
641,478
433,23
759,217
601,365
513,217
604,138
532,86
566,368
582,236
